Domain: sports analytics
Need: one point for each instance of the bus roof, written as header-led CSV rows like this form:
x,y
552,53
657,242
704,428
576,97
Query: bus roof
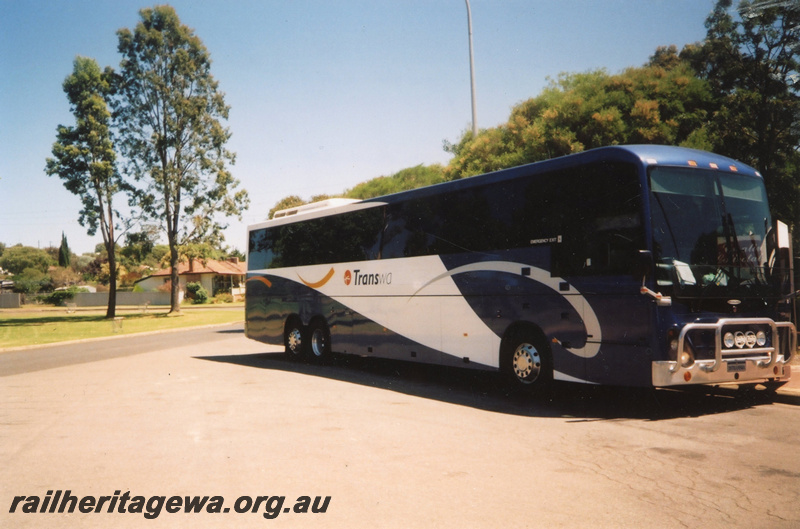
x,y
665,155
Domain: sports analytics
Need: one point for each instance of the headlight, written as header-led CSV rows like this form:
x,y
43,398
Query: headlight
x,y
761,338
750,338
740,339
687,358
729,340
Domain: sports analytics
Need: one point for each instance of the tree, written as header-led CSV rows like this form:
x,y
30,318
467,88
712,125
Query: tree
x,y
168,109
662,102
84,158
63,252
751,60
410,178
139,245
18,258
291,201
31,281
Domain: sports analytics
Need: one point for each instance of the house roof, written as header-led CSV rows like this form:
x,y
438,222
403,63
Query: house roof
x,y
207,266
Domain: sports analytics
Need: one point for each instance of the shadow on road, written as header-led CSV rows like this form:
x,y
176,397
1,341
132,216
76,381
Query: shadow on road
x,y
486,391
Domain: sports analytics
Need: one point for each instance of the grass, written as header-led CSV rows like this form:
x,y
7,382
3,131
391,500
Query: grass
x,y
19,328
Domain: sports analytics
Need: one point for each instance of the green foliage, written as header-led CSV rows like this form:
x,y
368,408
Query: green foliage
x,y
662,102
63,252
169,113
751,60
202,251
291,201
64,277
18,258
138,245
235,252
84,158
223,297
31,281
736,93
159,252
403,180
411,178
83,155
201,297
59,297
196,293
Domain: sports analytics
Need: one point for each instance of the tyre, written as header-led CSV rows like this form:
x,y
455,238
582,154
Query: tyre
x,y
294,338
319,346
527,361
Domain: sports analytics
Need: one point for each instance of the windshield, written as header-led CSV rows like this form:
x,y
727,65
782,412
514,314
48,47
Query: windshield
x,y
709,232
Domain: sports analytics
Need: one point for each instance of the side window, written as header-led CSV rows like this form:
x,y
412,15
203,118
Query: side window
x,y
260,250
601,220
479,219
353,236
410,228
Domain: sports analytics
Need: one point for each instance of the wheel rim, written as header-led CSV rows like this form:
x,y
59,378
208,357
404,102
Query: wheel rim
x,y
527,363
318,343
294,340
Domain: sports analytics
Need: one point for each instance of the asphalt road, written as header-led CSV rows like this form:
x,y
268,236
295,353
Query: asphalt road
x,y
210,413
30,359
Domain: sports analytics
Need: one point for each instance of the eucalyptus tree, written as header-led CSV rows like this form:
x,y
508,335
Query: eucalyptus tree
x,y
169,112
751,59
84,158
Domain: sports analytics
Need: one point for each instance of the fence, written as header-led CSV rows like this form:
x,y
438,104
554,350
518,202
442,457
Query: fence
x,y
94,299
100,299
10,301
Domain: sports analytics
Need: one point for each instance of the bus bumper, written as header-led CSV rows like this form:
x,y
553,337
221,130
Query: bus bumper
x,y
734,364
740,372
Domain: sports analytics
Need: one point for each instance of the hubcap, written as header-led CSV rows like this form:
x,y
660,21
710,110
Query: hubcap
x,y
318,343
527,363
294,340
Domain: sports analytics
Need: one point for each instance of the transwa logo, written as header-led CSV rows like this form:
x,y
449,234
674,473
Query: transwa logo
x,y
358,279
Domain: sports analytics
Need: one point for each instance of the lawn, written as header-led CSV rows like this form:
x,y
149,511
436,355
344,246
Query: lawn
x,y
23,327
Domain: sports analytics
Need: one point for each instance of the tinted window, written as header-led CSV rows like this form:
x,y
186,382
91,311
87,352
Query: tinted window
x,y
339,238
596,210
592,211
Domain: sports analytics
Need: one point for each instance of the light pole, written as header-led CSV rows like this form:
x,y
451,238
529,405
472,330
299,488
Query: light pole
x,y
472,72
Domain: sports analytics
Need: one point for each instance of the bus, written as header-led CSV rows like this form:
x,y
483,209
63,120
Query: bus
x,y
642,266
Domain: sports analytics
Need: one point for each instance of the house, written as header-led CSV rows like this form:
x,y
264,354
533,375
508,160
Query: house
x,y
215,276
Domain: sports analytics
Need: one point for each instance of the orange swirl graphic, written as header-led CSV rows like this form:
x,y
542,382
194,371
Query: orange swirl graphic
x,y
262,279
320,283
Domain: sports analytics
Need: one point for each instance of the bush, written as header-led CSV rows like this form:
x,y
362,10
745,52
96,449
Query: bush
x,y
31,281
59,297
223,297
201,296
196,293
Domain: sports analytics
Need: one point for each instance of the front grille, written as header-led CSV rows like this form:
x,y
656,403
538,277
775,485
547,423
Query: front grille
x,y
730,340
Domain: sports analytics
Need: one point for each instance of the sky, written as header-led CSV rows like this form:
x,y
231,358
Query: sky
x,y
323,95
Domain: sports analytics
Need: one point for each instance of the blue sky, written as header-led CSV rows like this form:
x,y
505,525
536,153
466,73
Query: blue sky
x,y
323,95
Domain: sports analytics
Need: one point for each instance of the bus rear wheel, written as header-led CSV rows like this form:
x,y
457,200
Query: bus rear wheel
x,y
319,341
294,338
527,362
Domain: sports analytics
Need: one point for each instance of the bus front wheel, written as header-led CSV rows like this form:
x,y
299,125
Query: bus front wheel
x,y
527,362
